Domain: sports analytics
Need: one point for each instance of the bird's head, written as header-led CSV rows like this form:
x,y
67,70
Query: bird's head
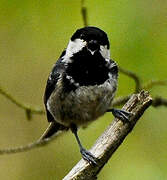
x,y
92,39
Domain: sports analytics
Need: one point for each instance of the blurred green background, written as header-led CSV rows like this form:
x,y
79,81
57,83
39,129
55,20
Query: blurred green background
x,y
33,33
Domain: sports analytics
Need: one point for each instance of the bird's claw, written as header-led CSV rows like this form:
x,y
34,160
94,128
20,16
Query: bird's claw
x,y
88,156
124,116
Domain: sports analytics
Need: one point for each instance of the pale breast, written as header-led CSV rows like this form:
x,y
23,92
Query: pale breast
x,y
83,105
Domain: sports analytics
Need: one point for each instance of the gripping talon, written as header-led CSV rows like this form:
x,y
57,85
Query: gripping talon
x,y
124,116
88,156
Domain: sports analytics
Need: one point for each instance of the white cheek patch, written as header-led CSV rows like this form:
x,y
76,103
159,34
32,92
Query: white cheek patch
x,y
105,52
74,47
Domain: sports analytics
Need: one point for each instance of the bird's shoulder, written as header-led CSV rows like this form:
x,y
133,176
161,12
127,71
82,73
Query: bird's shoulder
x,y
113,68
53,78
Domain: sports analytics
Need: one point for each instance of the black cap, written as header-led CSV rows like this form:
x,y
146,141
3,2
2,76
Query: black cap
x,y
91,33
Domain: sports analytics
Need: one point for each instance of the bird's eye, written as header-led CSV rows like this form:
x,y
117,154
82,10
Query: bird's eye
x,y
82,36
93,45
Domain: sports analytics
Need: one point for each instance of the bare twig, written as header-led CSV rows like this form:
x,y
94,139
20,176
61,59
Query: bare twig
x,y
84,13
111,139
134,76
24,148
36,144
159,101
29,110
152,83
120,100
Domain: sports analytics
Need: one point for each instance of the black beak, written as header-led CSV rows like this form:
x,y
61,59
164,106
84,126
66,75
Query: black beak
x,y
93,45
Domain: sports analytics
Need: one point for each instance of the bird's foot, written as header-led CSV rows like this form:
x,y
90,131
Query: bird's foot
x,y
88,156
124,116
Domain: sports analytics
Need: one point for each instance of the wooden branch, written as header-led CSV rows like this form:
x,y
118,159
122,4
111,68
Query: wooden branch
x,y
111,139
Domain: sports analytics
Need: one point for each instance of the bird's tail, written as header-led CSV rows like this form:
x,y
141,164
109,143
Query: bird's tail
x,y
54,128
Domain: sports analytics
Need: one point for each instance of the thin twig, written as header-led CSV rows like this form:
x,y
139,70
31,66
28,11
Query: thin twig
x,y
159,101
111,139
28,109
36,144
152,83
23,148
84,13
120,101
134,76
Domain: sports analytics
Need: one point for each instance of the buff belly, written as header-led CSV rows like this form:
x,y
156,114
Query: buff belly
x,y
81,106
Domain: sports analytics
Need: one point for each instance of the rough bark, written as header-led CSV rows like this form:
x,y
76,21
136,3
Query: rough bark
x,y
111,139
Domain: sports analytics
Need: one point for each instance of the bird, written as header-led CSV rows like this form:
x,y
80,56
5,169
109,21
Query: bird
x,y
81,86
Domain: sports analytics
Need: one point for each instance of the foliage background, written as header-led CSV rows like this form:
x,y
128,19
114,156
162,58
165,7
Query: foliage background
x,y
33,33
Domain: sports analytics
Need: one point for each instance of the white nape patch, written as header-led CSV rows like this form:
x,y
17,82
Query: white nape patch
x,y
105,52
74,47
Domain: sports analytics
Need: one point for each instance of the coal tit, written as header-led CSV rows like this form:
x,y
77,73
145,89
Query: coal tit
x,y
81,85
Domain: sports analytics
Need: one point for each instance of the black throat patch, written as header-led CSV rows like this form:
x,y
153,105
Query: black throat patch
x,y
87,69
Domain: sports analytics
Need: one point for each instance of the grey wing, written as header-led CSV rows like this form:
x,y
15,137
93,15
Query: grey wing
x,y
54,76
51,84
54,127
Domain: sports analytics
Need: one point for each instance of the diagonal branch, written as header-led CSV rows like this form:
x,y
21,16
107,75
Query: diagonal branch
x,y
28,110
111,139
